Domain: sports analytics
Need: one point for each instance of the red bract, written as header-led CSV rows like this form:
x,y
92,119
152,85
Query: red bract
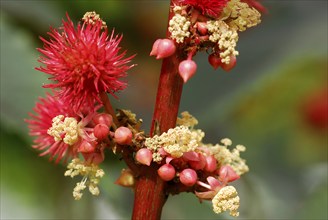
x,y
39,123
83,62
210,8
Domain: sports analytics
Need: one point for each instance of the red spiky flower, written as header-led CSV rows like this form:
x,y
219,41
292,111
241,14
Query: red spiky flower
x,y
39,123
211,8
83,62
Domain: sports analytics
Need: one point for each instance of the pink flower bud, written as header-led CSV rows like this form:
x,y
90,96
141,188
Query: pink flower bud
x,y
165,48
227,174
231,65
166,172
123,136
144,156
155,48
126,178
162,152
211,164
191,156
214,60
200,164
95,158
168,159
201,27
214,183
188,177
187,69
103,118
86,147
101,131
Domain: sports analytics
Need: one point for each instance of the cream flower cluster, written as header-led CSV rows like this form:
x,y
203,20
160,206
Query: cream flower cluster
x,y
92,17
175,141
179,25
220,165
225,37
187,120
226,199
223,31
240,15
64,126
91,177
229,157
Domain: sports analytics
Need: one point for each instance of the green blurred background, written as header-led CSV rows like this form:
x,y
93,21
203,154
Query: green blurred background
x,y
274,102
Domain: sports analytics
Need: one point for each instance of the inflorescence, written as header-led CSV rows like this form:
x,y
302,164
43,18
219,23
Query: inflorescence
x,y
210,26
84,65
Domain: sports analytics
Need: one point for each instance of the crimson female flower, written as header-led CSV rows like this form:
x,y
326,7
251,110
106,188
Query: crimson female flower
x,y
40,122
84,61
211,8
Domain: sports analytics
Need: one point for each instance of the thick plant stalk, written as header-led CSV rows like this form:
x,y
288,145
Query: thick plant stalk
x,y
150,189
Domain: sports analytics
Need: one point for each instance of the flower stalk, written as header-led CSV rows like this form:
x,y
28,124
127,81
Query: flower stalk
x,y
150,193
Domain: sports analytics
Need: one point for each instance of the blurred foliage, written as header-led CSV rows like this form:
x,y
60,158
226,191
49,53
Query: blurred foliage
x,y
262,104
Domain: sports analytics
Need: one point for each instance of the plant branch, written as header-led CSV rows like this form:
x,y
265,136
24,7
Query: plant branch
x,y
150,191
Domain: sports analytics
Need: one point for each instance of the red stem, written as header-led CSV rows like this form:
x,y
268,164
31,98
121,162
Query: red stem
x,y
150,191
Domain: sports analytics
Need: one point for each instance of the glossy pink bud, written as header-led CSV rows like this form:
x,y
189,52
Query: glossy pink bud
x,y
101,131
162,152
214,183
103,118
144,156
86,147
166,172
227,174
187,69
231,65
123,136
214,60
200,164
155,48
168,159
201,27
165,48
188,177
95,158
211,164
191,156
